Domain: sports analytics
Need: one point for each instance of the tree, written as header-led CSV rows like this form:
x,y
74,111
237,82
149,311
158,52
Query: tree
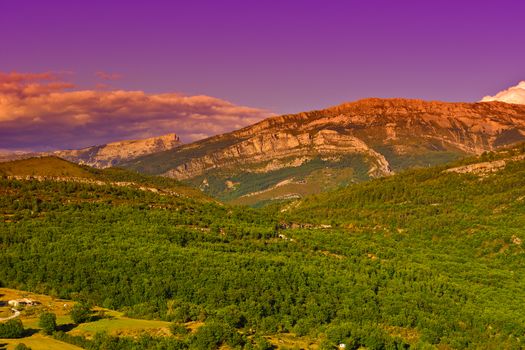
x,y
12,329
262,343
80,313
22,346
48,322
214,334
178,329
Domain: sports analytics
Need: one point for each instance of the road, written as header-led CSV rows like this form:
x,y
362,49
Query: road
x,y
15,315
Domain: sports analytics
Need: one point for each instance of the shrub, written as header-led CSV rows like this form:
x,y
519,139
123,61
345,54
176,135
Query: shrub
x,y
48,322
178,329
80,313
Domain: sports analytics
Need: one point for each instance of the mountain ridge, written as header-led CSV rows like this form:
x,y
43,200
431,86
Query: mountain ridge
x,y
373,137
105,155
113,153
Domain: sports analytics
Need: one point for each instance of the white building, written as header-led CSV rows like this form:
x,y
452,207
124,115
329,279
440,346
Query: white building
x,y
23,301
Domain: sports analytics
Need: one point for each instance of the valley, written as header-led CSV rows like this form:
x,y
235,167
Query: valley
x,y
110,321
262,175
293,156
374,264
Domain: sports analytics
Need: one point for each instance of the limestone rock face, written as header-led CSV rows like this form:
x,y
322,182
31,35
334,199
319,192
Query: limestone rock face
x,y
108,155
315,150
114,153
273,151
404,127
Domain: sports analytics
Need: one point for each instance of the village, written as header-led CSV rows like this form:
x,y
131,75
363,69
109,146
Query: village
x,y
15,305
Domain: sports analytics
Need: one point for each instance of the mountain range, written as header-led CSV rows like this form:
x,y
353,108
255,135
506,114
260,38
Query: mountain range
x,y
427,258
291,156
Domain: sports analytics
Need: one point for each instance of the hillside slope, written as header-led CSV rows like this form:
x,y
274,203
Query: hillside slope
x,y
491,185
51,168
428,258
293,155
44,167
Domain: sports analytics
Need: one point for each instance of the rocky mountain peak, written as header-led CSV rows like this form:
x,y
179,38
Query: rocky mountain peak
x,y
114,153
107,155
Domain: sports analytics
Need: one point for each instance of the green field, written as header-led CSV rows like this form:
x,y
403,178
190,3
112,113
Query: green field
x,y
37,342
117,324
112,322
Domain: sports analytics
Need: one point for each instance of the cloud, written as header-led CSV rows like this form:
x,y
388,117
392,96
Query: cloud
x,y
514,94
42,112
32,84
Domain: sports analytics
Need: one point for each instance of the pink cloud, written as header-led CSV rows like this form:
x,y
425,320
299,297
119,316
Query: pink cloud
x,y
31,84
42,112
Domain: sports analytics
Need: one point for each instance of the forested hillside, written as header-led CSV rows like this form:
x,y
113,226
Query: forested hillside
x,y
461,225
426,259
50,168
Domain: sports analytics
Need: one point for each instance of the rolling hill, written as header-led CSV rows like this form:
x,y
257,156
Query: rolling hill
x,y
52,168
291,156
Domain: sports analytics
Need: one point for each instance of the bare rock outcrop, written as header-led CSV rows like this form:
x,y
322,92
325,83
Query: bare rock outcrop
x,y
107,155
367,127
272,151
339,145
114,153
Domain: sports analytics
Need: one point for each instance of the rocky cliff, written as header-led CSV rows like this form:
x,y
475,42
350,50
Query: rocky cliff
x,y
268,152
111,154
107,155
362,139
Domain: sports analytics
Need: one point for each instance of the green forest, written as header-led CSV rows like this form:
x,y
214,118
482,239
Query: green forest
x,y
426,259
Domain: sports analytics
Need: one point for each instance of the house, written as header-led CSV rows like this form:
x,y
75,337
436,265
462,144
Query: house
x,y
23,301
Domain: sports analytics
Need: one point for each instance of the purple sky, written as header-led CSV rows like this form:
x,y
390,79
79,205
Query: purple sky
x,y
284,56
62,62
